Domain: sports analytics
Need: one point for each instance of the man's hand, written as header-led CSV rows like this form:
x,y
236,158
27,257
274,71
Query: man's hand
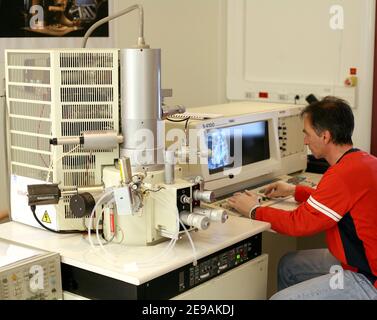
x,y
279,189
243,202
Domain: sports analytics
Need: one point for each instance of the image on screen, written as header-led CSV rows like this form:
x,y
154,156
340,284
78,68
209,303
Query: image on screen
x,y
236,146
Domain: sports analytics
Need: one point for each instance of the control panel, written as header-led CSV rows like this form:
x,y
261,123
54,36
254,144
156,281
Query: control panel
x,y
28,274
290,142
212,267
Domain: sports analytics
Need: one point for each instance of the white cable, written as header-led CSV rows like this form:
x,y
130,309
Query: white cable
x,y
117,15
195,262
106,194
99,239
62,157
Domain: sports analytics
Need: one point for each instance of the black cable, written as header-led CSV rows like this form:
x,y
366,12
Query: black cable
x,y
181,120
154,191
48,229
187,122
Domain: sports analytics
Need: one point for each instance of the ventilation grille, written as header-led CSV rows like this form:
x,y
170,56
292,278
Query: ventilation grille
x,y
91,111
30,110
83,86
29,76
30,142
30,172
31,126
67,149
75,129
29,93
31,158
87,94
86,60
86,162
29,59
79,178
86,77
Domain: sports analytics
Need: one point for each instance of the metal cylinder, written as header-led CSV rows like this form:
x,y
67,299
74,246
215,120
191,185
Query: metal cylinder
x,y
142,126
82,205
205,196
169,167
92,140
195,220
90,189
217,215
101,140
185,200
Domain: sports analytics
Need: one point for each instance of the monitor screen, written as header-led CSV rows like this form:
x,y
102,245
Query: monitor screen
x,y
236,146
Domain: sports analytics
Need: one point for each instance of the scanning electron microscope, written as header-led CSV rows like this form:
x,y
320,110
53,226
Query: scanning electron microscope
x,y
87,146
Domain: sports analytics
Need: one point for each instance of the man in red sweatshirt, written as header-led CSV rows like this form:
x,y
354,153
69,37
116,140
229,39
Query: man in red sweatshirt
x,y
344,205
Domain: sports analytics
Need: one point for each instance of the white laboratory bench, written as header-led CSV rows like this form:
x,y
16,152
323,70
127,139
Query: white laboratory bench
x,y
78,256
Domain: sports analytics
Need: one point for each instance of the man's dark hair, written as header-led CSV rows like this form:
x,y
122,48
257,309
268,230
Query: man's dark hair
x,y
334,115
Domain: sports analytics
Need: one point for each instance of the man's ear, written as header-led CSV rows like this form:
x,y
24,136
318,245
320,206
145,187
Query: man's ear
x,y
326,136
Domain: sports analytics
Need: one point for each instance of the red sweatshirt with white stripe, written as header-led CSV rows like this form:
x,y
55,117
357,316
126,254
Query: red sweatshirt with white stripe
x,y
344,205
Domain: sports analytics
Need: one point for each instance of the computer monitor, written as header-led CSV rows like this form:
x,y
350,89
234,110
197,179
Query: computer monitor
x,y
271,144
251,140
239,149
233,149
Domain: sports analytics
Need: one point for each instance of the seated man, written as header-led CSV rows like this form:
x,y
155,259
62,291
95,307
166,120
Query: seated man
x,y
344,205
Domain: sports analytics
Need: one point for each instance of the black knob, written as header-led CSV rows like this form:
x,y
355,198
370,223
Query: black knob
x,y
82,205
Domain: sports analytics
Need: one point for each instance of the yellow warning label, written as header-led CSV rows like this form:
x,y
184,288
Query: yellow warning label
x,y
46,218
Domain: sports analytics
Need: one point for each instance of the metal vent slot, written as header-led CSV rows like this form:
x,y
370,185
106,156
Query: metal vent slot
x,y
86,162
30,158
29,76
29,93
79,179
86,94
30,142
31,173
67,149
31,126
87,77
29,59
30,109
86,60
68,213
74,129
87,111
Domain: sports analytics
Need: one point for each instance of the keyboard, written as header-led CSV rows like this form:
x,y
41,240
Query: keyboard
x,y
264,201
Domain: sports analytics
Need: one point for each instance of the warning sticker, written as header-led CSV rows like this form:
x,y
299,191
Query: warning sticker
x,y
46,218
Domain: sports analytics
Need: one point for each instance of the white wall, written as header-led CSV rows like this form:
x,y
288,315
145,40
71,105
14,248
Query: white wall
x,y
285,49
192,36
